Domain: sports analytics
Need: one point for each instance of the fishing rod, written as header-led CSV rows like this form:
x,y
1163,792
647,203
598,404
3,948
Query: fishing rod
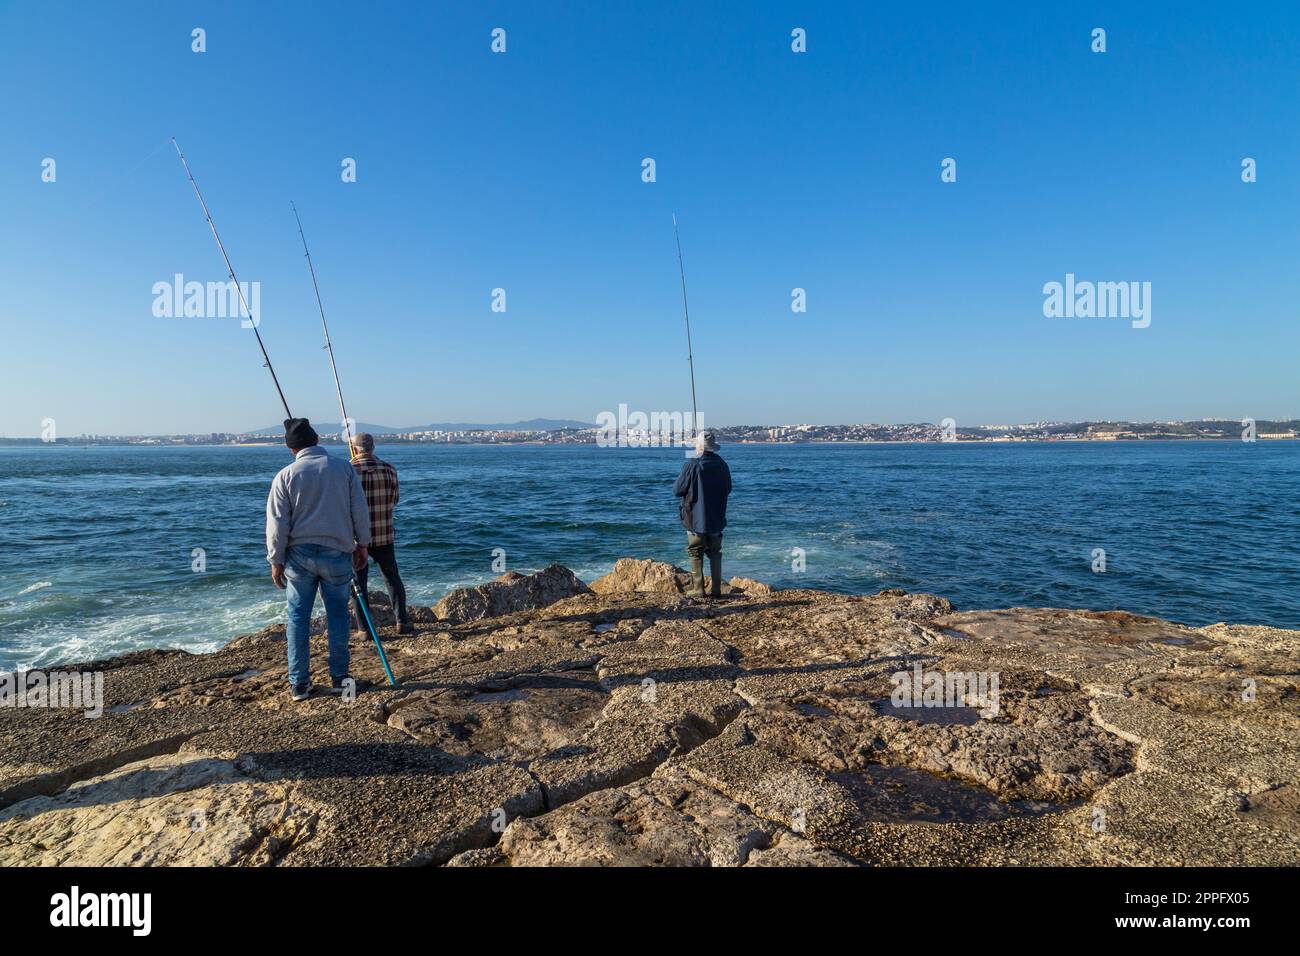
x,y
686,311
239,288
363,600
288,414
329,345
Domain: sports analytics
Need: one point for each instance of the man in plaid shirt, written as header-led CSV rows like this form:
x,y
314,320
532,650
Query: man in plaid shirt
x,y
379,482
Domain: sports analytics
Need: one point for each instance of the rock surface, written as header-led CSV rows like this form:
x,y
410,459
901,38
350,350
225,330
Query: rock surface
x,y
644,574
509,593
631,725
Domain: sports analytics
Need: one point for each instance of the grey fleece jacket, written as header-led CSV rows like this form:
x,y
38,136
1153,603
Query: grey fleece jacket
x,y
316,500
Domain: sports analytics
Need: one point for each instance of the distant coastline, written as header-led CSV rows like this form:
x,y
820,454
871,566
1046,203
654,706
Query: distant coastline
x,y
670,431
200,441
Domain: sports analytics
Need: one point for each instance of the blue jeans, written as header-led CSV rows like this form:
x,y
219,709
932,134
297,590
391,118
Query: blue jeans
x,y
308,566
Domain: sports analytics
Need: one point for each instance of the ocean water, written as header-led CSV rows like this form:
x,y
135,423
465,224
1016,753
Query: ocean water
x,y
97,544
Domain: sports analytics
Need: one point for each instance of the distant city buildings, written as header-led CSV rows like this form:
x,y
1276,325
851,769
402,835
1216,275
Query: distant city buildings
x,y
1207,428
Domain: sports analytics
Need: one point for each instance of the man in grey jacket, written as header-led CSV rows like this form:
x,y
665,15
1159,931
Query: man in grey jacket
x,y
317,532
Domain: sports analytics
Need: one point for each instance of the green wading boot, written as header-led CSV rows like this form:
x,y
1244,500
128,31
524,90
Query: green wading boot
x,y
697,576
715,571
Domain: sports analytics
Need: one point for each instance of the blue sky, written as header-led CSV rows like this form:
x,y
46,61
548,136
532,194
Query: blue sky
x,y
523,171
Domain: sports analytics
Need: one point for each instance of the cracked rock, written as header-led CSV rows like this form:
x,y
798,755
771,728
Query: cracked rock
x,y
539,722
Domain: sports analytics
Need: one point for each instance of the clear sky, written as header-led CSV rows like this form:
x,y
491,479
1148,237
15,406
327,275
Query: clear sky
x,y
523,171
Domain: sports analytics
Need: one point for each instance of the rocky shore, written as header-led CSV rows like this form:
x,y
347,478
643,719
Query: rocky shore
x,y
542,721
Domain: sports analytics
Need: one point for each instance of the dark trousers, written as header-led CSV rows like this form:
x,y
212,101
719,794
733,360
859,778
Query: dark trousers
x,y
384,555
697,546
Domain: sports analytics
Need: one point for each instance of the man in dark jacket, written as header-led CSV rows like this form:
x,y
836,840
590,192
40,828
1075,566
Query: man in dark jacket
x,y
703,486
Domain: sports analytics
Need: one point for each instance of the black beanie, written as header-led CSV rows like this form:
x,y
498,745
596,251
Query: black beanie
x,y
298,433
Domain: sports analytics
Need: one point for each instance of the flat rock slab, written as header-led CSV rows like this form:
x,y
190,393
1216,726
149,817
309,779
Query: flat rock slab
x,y
174,810
662,821
633,725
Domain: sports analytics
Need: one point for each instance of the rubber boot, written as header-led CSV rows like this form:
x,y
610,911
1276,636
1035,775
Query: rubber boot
x,y
715,570
697,576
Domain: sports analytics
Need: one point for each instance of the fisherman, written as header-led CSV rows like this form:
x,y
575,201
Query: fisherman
x,y
379,482
317,531
703,486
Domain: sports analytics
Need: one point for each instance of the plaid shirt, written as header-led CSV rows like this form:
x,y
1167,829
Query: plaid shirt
x,y
379,482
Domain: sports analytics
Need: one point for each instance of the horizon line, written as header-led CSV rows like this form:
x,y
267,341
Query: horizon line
x,y
510,426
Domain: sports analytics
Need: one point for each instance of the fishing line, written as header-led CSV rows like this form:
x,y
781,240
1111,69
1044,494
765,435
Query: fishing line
x,y
686,311
239,288
329,346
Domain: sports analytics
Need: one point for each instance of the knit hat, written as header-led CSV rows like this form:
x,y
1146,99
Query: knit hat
x,y
298,433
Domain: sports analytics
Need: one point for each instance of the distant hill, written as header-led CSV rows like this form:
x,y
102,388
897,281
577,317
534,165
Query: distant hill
x,y
327,425
533,424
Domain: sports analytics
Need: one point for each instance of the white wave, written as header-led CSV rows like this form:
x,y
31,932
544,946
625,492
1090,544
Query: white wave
x,y
39,585
197,630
